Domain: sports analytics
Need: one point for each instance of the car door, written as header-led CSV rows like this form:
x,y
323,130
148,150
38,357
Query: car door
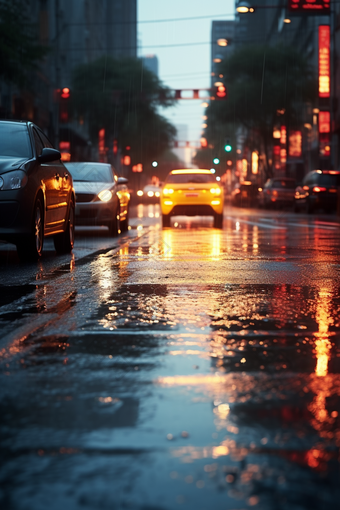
x,y
46,176
62,186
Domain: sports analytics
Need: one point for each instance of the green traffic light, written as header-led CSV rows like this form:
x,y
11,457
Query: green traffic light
x,y
216,161
227,147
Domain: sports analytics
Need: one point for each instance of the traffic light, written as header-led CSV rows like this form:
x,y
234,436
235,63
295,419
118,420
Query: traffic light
x,y
220,92
64,97
216,161
65,93
227,146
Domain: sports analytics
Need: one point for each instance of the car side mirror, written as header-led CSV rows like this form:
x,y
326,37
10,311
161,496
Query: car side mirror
x,y
122,180
47,155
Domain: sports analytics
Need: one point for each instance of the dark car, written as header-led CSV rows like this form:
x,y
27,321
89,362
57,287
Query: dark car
x,y
36,191
277,192
245,194
319,190
102,198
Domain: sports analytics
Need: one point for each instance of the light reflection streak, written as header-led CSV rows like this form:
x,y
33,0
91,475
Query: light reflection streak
x,y
322,383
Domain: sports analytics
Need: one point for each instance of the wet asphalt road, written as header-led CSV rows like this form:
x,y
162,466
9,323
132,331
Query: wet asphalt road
x,y
186,368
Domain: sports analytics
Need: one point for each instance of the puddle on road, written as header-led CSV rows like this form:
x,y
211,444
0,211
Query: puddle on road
x,y
196,393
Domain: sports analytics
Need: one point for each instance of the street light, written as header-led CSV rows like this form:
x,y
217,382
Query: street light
x,y
244,7
222,42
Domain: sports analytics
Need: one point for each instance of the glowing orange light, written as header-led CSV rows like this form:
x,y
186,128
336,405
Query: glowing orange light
x,y
65,156
324,61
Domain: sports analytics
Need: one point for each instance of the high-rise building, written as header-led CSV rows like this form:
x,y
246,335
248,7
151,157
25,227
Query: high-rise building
x,y
151,63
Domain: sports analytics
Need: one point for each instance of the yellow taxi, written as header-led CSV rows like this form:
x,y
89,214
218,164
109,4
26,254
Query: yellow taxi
x,y
192,192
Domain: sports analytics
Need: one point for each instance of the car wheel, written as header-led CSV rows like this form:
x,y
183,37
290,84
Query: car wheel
x,y
218,220
64,242
166,220
30,248
114,225
124,225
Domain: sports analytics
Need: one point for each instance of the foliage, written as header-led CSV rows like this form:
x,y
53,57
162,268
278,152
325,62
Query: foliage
x,y
19,50
261,82
122,97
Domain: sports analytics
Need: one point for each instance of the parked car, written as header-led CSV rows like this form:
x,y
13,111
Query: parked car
x,y
245,194
36,191
102,198
319,190
149,194
192,192
277,192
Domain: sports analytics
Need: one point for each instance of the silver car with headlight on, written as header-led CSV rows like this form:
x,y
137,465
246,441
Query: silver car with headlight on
x,y
102,198
36,191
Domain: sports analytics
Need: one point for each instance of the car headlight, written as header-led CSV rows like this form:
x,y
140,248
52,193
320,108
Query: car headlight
x,y
150,193
168,191
105,195
13,180
140,193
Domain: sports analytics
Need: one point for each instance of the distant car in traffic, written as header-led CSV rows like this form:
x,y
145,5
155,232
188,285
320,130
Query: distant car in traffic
x,y
245,194
102,198
319,190
191,192
36,191
149,194
277,192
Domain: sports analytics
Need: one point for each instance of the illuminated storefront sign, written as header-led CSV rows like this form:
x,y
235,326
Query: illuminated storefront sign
x,y
309,6
254,162
324,122
283,137
295,144
324,133
324,61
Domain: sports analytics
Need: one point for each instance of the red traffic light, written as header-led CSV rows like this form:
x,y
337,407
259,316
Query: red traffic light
x,y
65,93
221,92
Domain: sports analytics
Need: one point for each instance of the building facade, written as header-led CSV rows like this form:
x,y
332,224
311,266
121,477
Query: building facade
x,y
76,32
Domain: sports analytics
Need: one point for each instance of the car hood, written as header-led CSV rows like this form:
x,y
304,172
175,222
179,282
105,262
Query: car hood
x,y
91,187
8,164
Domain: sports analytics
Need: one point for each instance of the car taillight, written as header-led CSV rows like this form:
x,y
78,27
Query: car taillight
x,y
317,189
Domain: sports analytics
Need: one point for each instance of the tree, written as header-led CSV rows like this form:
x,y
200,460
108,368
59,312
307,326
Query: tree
x,y
19,50
261,81
122,97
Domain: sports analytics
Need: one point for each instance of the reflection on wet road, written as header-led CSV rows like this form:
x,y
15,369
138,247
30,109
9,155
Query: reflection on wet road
x,y
190,367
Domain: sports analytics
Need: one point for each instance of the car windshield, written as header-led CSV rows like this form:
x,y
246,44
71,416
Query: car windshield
x,y
329,179
90,172
190,178
284,184
14,140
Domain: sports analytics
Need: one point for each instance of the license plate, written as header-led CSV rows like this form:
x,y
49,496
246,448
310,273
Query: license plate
x,y
191,194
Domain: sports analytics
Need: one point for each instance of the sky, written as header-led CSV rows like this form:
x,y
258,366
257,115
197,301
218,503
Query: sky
x,y
182,48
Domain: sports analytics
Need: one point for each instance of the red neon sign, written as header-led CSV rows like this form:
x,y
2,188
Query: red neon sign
x,y
324,122
295,144
309,6
324,61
